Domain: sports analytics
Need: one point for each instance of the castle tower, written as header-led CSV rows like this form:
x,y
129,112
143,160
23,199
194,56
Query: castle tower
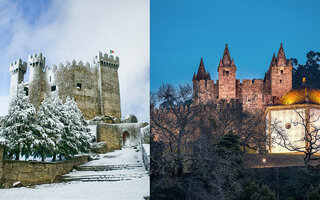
x,y
37,84
280,71
17,71
108,84
227,76
200,84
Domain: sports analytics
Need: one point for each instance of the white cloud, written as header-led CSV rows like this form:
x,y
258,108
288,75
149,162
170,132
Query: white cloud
x,y
78,29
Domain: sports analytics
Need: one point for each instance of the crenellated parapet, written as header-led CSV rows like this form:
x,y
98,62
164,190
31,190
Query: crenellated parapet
x,y
106,60
95,87
18,66
68,66
37,59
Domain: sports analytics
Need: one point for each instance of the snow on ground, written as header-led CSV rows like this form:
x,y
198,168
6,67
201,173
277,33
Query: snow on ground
x,y
118,157
135,188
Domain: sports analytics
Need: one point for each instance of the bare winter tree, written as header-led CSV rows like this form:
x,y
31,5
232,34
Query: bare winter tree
x,y
309,143
173,125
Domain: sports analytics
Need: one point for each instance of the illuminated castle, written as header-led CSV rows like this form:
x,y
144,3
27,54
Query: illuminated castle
x,y
252,93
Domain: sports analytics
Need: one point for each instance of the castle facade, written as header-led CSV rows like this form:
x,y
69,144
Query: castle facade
x,y
95,87
252,93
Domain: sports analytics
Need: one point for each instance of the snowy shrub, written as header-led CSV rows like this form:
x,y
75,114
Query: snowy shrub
x,y
56,129
19,129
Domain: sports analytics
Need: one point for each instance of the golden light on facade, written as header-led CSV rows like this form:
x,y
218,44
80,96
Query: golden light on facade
x,y
302,95
264,161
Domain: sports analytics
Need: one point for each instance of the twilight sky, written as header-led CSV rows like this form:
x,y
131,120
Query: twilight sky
x,y
64,30
183,31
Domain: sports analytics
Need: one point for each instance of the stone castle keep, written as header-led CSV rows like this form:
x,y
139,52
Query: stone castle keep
x,y
95,87
253,94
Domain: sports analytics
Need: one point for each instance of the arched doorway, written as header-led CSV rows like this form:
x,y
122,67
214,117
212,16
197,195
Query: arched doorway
x,y
125,138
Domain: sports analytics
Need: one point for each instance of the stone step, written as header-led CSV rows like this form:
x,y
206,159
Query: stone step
x,y
108,177
108,167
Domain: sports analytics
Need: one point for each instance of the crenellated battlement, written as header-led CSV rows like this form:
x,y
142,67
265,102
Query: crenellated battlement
x,y
17,66
254,93
35,59
96,89
72,65
106,60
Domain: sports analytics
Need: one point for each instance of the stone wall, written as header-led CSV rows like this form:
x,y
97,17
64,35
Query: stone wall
x,y
33,172
112,134
95,87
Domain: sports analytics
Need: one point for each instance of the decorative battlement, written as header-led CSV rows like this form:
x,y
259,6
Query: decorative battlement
x,y
72,65
95,89
104,59
252,82
36,59
253,93
17,66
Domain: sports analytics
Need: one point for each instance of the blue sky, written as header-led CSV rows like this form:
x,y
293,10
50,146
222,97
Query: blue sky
x,y
183,31
64,30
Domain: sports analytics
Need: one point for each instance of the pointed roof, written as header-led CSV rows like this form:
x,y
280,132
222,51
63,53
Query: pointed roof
x,y
226,58
202,74
281,57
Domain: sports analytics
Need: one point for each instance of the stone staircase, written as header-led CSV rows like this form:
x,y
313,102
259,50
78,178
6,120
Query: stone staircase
x,y
120,165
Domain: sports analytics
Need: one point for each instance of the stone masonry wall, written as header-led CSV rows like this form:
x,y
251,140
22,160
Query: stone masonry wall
x,y
112,134
33,172
227,82
87,97
281,80
252,94
98,93
110,91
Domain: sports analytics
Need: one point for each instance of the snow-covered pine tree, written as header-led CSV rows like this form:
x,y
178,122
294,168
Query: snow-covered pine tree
x,y
66,145
79,127
19,129
52,129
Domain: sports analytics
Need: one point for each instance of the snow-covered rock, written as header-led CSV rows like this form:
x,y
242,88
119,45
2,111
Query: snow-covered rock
x,y
130,119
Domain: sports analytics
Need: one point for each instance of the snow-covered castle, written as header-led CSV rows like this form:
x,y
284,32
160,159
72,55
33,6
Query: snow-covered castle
x,y
95,87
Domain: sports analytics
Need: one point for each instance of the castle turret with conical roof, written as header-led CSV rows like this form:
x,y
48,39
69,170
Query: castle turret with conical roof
x,y
202,74
280,74
227,76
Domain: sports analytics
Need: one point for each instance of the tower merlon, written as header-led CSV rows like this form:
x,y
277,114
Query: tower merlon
x,y
16,66
36,59
105,59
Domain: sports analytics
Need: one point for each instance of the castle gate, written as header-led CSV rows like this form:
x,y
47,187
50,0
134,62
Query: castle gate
x,y
125,138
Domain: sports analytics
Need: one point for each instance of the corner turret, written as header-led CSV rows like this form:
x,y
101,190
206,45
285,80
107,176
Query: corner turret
x,y
37,83
202,74
17,71
227,76
280,74
108,84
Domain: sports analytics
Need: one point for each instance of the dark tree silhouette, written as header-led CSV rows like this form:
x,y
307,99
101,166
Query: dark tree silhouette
x,y
310,70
